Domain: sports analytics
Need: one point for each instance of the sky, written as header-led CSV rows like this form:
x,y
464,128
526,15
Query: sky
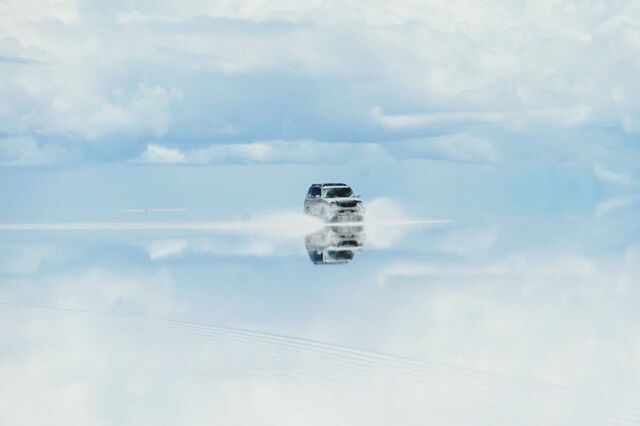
x,y
253,82
495,144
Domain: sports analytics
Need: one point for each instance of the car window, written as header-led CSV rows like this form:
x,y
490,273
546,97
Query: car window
x,y
315,256
338,192
340,254
313,191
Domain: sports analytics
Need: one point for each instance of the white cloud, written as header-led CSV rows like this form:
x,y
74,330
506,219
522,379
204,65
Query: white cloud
x,y
463,148
165,248
457,147
47,98
610,176
161,155
66,11
118,71
146,112
513,264
303,151
255,244
615,203
510,119
27,258
253,152
98,289
536,315
555,347
26,151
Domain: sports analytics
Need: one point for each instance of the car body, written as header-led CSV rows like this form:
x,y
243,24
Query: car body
x,y
333,202
333,245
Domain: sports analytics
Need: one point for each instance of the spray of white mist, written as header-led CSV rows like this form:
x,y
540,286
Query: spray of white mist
x,y
385,223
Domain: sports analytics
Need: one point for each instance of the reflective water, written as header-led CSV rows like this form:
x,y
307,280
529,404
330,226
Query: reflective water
x,y
335,244
527,318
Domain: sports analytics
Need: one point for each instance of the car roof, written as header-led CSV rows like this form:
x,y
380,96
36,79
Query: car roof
x,y
329,184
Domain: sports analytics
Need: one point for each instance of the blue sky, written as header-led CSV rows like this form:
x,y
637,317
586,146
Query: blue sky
x,y
517,121
535,94
89,82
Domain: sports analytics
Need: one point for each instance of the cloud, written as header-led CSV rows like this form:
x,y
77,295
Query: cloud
x,y
534,315
166,248
86,287
303,151
256,245
118,73
196,372
513,264
161,155
146,112
463,148
26,151
253,152
26,258
615,203
509,119
39,102
12,52
483,346
612,177
456,147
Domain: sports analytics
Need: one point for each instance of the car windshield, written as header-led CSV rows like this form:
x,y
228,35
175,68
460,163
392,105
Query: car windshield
x,y
341,192
339,254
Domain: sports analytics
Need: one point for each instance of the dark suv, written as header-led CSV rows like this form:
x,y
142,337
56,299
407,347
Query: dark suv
x,y
333,202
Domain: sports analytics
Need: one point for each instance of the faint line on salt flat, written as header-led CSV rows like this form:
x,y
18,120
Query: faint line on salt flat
x,y
219,226
128,226
228,335
154,210
483,385
563,395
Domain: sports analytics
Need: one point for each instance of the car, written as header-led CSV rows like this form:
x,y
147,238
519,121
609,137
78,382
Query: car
x,y
333,202
333,245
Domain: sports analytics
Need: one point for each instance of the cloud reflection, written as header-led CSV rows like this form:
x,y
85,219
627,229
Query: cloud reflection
x,y
463,325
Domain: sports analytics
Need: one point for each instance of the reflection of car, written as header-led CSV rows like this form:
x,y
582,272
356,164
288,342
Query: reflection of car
x,y
334,244
333,202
